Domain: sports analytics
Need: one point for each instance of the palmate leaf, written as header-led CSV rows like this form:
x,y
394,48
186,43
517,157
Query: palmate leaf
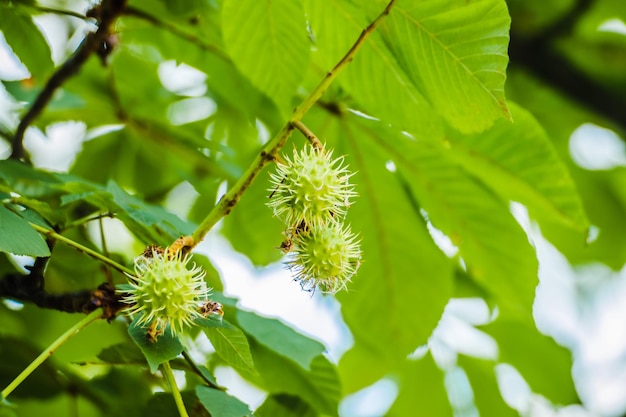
x,y
319,386
495,249
219,403
267,41
404,282
487,397
455,52
518,162
373,78
422,391
535,356
281,338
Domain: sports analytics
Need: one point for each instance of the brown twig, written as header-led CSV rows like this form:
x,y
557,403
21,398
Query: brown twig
x,y
107,13
309,135
21,287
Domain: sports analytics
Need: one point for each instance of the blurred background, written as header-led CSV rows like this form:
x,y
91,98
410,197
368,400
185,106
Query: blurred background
x,y
568,67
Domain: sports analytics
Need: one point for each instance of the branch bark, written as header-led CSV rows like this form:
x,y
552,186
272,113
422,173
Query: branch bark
x,y
106,14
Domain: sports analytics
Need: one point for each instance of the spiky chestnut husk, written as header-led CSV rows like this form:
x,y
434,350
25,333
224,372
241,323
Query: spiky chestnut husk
x,y
325,257
312,187
165,290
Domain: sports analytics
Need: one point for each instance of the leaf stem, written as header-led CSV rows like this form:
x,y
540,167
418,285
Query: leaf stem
x,y
176,31
89,218
271,148
197,370
93,316
82,248
169,376
52,10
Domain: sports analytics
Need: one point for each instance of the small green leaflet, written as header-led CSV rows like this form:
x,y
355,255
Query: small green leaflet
x,y
166,347
18,238
220,404
281,338
229,342
26,41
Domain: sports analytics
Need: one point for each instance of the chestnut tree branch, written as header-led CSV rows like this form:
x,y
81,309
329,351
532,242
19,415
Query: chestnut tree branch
x,y
107,12
270,150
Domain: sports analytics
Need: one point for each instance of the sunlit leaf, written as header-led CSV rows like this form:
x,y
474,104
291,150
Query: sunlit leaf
x,y
494,247
455,52
422,390
373,78
319,387
24,37
535,355
232,346
281,338
487,397
517,160
18,237
404,277
268,43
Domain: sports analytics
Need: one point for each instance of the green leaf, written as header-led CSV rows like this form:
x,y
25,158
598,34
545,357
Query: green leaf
x,y
422,391
283,405
218,403
46,381
206,374
267,41
495,249
18,237
518,161
535,356
212,277
123,389
404,275
281,338
487,397
186,7
152,224
122,353
373,79
319,387
455,52
27,181
163,405
26,40
232,346
166,347
355,376
149,216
